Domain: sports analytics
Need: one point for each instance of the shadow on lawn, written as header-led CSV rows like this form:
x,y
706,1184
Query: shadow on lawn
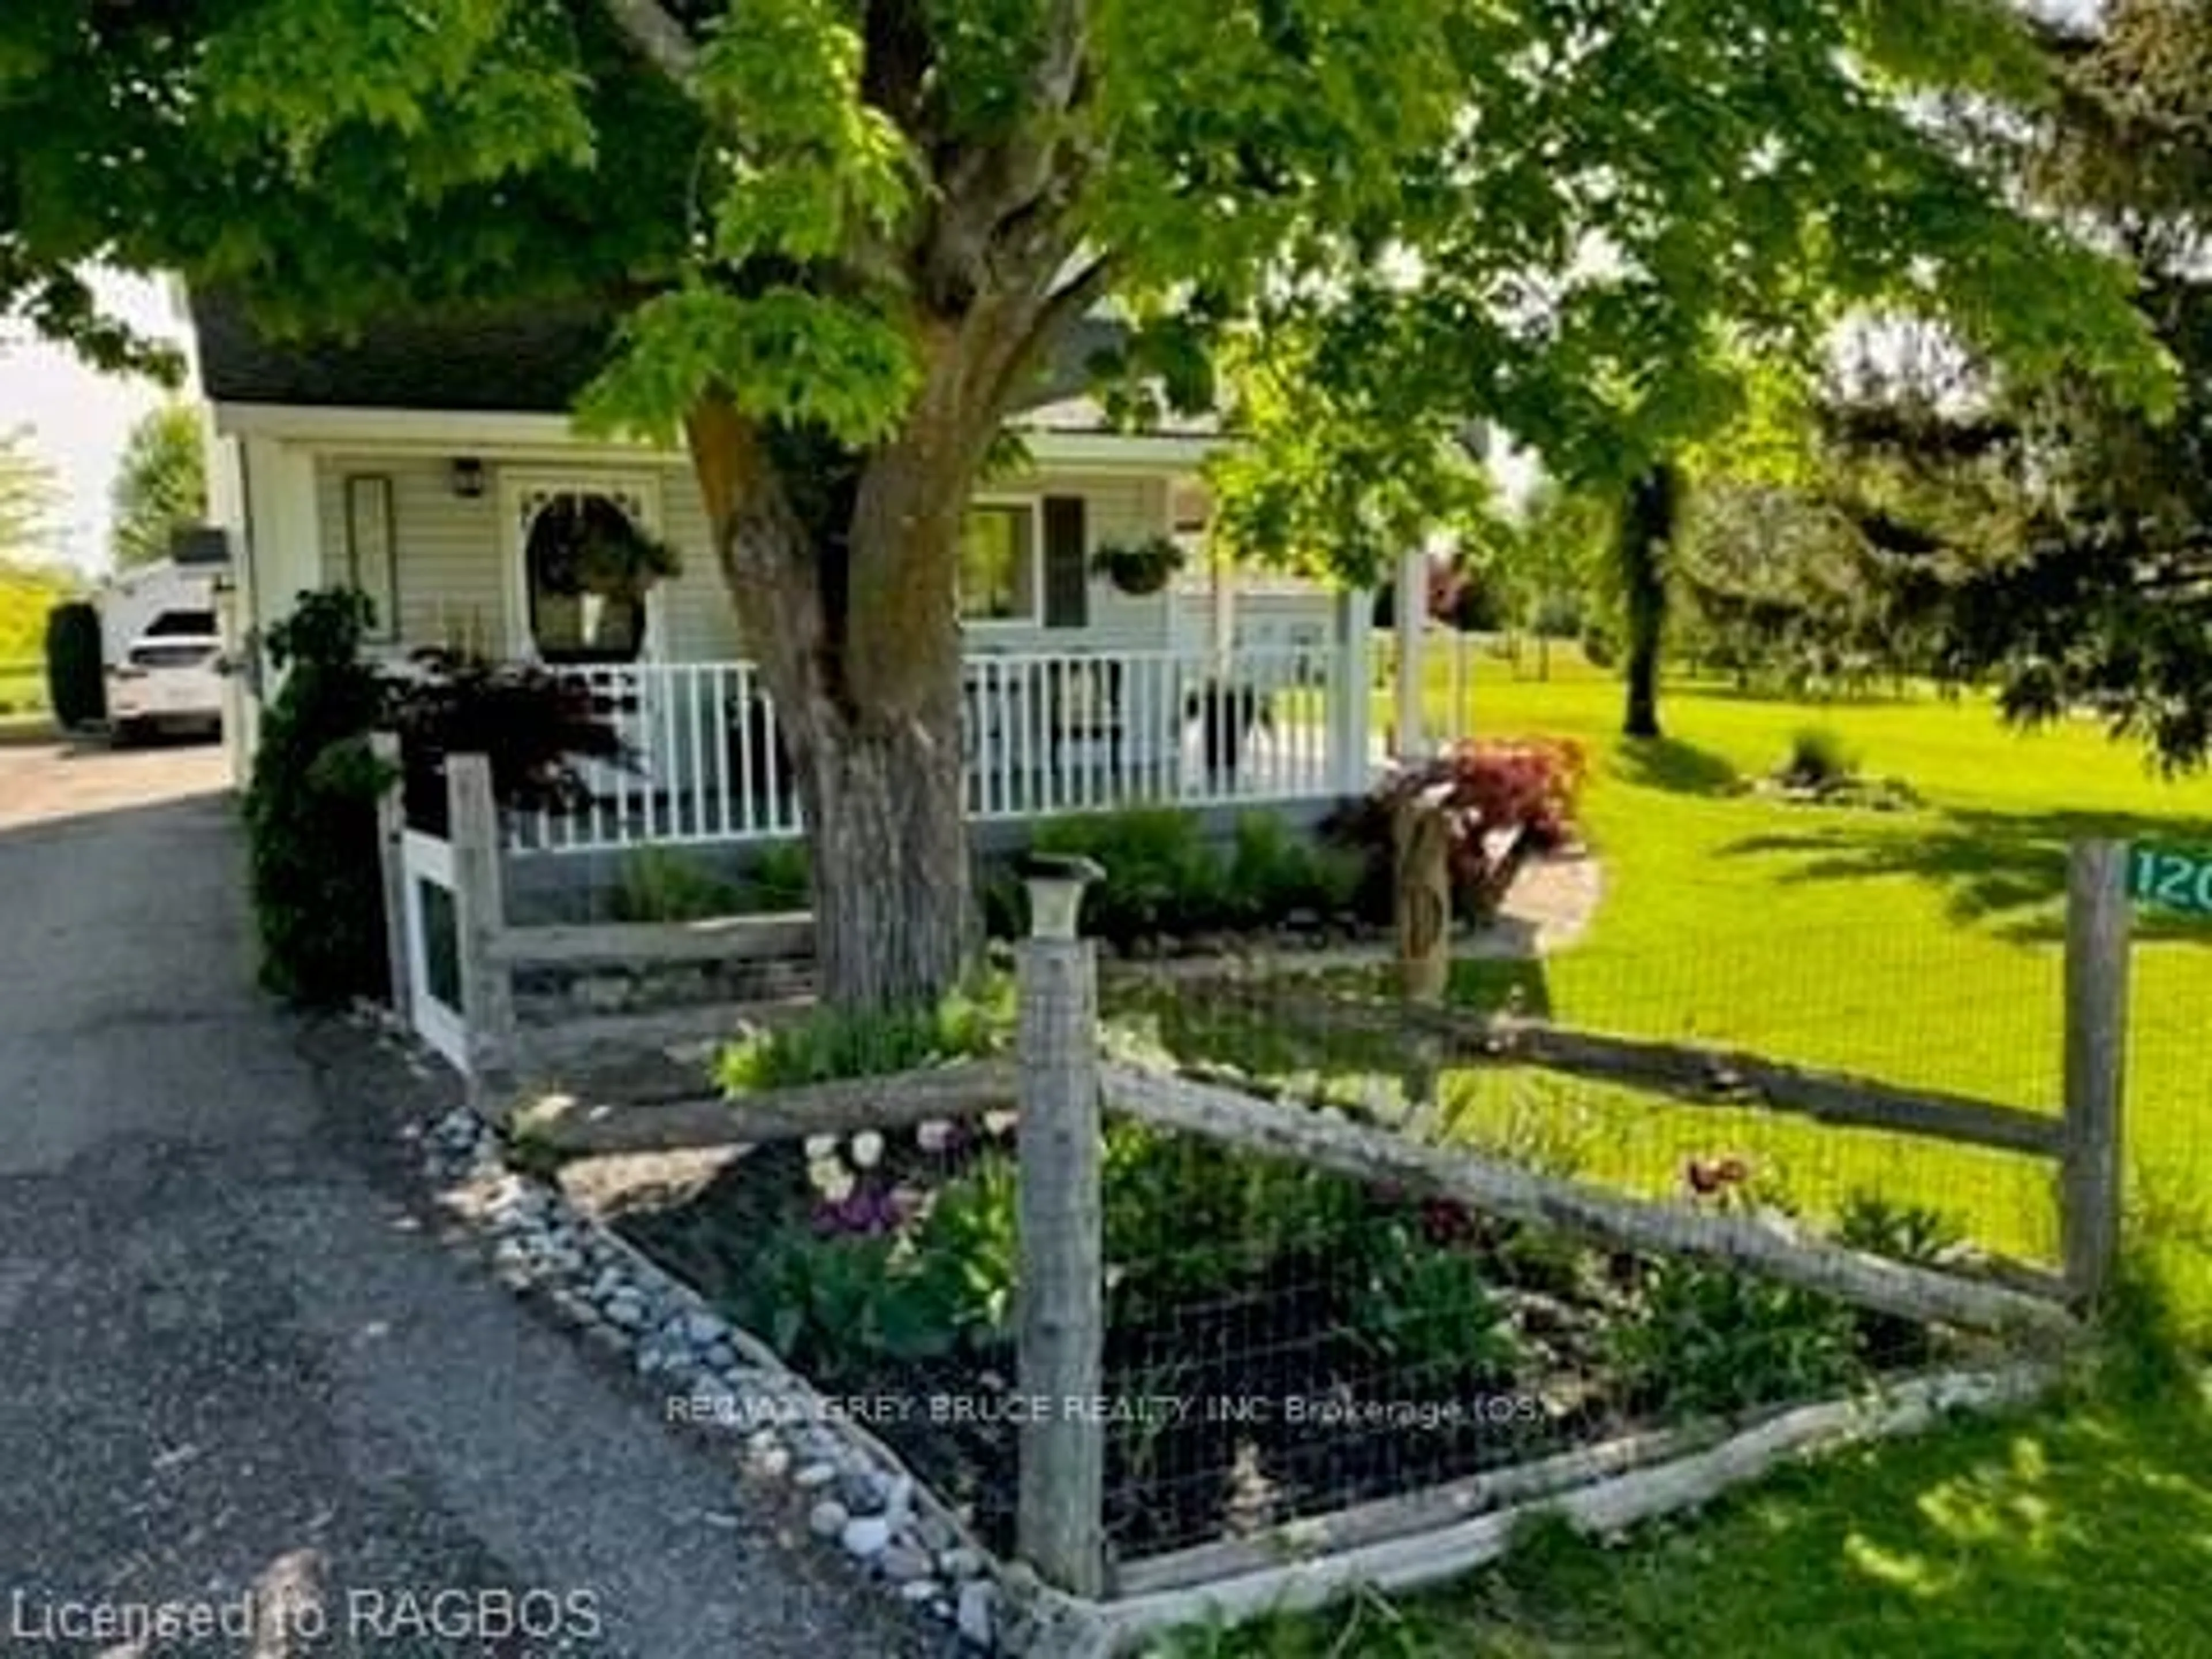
x,y
1678,768
2005,870
1987,1538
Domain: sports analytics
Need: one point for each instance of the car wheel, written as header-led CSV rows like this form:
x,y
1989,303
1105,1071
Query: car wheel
x,y
123,734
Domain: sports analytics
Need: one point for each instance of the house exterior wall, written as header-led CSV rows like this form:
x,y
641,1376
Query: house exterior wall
x,y
457,564
1264,615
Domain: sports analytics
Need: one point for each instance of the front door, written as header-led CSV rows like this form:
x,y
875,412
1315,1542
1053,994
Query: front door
x,y
562,607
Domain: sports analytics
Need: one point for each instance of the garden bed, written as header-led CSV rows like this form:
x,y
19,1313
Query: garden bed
x,y
1282,1342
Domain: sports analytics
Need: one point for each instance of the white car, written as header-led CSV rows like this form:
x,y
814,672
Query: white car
x,y
170,678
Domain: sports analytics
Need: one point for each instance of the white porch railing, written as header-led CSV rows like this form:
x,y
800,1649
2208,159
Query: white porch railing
x,y
1042,733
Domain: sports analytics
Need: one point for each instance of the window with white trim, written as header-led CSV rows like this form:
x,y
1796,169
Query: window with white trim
x,y
1001,580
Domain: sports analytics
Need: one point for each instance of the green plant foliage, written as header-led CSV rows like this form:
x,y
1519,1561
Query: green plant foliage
x,y
829,1305
1707,1338
1819,759
783,879
970,1231
1139,567
971,1022
659,883
161,484
77,683
1426,1305
311,809
1165,877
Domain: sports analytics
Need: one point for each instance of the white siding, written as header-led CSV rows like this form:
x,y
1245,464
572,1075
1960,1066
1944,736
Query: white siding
x,y
453,589
1266,613
453,554
1117,508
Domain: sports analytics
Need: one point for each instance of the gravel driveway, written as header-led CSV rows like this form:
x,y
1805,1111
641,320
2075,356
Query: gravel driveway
x,y
233,1361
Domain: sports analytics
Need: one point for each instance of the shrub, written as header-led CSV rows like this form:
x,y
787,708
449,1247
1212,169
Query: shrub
x,y
831,1043
1163,875
310,807
660,885
1160,873
1529,790
77,683
1275,872
311,812
1818,760
533,724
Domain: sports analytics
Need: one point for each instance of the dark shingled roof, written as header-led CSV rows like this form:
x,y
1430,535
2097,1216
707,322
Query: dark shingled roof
x,y
533,361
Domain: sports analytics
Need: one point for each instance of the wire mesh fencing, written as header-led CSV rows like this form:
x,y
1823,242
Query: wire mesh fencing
x,y
1690,1038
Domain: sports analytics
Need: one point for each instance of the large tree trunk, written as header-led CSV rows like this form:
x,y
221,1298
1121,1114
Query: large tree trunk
x,y
867,695
894,914
1647,527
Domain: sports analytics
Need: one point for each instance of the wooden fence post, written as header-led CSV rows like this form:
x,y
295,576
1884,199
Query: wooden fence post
x,y
391,863
1422,907
480,917
2092,1175
1060,1514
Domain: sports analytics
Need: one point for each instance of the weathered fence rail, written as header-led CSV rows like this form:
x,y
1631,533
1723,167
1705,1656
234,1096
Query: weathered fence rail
x,y
1062,1087
472,1020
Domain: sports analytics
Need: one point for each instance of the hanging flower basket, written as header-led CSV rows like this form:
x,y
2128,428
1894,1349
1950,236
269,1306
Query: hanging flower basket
x,y
1138,568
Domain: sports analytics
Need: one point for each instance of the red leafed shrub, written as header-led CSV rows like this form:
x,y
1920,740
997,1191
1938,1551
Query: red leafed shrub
x,y
1503,799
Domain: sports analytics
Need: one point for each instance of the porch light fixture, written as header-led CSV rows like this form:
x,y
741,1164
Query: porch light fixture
x,y
468,477
1056,886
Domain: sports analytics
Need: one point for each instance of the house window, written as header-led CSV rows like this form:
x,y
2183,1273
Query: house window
x,y
581,610
999,580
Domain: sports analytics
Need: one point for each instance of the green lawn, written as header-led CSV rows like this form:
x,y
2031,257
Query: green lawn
x,y
22,688
1919,947
2080,1530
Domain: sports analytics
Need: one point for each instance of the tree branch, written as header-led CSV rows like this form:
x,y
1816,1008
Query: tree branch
x,y
1063,307
659,38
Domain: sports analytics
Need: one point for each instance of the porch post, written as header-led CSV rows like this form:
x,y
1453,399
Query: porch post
x,y
1222,609
1410,615
1350,713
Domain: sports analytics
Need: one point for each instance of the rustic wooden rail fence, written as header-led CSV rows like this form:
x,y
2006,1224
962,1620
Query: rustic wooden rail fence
x,y
485,1038
1417,1537
1063,1088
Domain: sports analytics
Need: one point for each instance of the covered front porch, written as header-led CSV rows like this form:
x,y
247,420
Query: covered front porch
x,y
1042,733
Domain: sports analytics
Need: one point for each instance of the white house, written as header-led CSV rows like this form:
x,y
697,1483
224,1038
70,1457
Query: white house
x,y
431,464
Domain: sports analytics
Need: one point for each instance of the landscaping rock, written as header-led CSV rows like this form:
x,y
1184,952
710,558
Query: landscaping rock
x,y
814,1475
866,1537
978,1611
918,1591
903,1563
828,1519
898,1499
863,1493
960,1562
626,1310
704,1330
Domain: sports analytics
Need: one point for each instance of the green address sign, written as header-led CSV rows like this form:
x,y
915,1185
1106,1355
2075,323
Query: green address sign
x,y
2175,880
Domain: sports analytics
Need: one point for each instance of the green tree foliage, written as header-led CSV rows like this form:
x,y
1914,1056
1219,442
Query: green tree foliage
x,y
837,240
29,498
161,484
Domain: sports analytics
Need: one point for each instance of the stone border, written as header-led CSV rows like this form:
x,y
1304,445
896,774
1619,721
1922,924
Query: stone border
x,y
861,1496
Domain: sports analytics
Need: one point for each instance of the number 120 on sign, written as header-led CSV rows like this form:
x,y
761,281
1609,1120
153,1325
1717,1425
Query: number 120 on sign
x,y
2179,881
